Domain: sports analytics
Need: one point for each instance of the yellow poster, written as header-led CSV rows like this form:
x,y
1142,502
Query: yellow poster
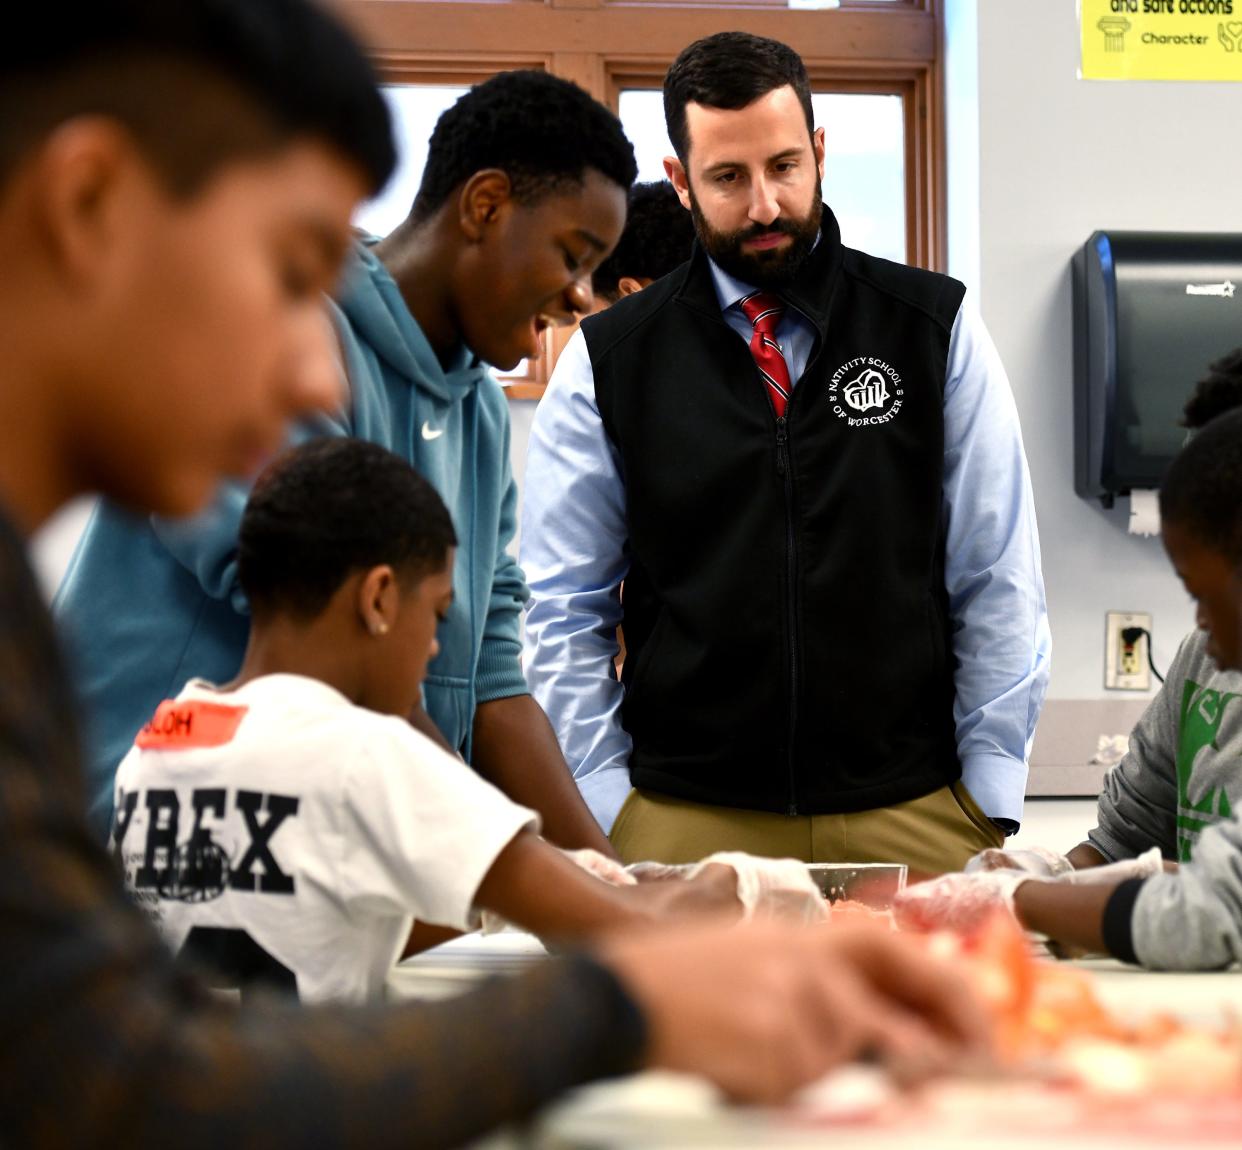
x,y
1161,39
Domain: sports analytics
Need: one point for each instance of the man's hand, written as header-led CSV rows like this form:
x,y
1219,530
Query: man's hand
x,y
765,1008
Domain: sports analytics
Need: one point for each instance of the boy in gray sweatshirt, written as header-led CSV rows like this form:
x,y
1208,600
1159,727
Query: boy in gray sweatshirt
x,y
1191,919
1180,774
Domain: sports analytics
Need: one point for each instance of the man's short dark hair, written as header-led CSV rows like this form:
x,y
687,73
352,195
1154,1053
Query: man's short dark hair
x,y
197,82
730,70
1202,491
327,509
541,131
1217,392
658,236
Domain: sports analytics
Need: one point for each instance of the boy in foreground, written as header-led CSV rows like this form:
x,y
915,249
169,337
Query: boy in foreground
x,y
1191,919
176,183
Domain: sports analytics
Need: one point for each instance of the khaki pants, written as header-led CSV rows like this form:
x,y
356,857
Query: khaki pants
x,y
931,835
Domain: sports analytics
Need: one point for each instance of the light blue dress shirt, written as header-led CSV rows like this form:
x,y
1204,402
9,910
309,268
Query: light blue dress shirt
x,y
575,555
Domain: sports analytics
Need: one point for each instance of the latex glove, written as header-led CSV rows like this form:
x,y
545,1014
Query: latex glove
x,y
601,866
1150,862
658,871
959,902
1039,862
781,888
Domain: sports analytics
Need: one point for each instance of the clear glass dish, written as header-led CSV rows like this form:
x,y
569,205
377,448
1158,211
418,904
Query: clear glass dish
x,y
875,885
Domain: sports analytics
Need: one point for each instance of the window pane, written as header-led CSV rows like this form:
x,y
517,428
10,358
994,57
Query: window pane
x,y
865,169
415,108
642,116
864,172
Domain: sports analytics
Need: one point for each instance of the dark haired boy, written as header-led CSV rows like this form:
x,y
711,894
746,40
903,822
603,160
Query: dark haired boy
x,y
290,827
658,237
522,196
176,182
1190,919
805,464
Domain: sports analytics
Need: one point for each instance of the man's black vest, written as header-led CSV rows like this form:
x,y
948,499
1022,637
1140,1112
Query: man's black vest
x,y
786,619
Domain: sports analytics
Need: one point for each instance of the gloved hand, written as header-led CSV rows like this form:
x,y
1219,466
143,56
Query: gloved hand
x,y
1039,862
658,871
1147,864
959,902
779,888
601,866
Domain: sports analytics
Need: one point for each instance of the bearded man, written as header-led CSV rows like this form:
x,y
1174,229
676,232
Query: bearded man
x,y
805,464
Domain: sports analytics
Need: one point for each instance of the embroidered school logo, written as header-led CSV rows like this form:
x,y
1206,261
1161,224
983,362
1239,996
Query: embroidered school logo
x,y
865,391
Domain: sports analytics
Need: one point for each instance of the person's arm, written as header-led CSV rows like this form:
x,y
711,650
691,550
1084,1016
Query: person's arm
x,y
511,743
535,886
992,573
1071,915
574,554
1138,803
1192,919
125,1050
515,748
1084,856
772,1008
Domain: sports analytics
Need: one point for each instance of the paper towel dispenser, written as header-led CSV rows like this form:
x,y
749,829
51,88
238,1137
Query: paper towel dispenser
x,y
1151,311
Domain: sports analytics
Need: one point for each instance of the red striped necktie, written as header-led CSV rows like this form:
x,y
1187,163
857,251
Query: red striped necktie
x,y
764,310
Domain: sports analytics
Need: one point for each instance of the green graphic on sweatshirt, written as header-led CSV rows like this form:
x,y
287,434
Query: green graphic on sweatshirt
x,y
1202,713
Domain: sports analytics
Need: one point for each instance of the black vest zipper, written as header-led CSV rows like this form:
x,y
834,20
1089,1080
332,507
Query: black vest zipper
x,y
785,472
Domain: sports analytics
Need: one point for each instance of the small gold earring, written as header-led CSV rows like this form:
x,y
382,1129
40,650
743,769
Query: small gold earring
x,y
380,628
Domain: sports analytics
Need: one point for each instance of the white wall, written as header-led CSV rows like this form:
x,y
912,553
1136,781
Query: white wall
x,y
1059,158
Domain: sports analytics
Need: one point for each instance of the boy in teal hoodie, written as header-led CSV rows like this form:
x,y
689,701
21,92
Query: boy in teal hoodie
x,y
522,197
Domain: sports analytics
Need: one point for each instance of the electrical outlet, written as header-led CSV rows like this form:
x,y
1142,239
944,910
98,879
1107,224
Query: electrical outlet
x,y
1126,666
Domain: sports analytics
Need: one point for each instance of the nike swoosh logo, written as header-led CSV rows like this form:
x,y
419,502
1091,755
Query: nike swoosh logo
x,y
429,434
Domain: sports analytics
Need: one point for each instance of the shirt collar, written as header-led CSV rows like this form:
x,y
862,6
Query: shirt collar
x,y
730,290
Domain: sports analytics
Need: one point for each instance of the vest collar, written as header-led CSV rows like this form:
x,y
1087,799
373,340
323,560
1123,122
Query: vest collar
x,y
810,293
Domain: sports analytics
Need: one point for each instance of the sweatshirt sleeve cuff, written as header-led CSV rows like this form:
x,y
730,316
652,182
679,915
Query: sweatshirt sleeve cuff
x,y
1118,918
499,674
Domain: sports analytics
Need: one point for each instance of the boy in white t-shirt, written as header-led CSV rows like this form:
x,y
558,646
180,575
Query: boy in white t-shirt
x,y
290,827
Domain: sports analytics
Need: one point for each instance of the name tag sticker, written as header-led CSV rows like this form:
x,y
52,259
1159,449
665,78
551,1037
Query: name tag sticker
x,y
197,723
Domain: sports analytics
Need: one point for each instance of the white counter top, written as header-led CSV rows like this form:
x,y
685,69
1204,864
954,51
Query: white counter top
x,y
666,1112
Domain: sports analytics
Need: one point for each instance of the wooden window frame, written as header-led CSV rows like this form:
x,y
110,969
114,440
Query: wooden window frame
x,y
891,48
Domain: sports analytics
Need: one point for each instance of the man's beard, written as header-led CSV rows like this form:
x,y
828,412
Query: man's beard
x,y
771,269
